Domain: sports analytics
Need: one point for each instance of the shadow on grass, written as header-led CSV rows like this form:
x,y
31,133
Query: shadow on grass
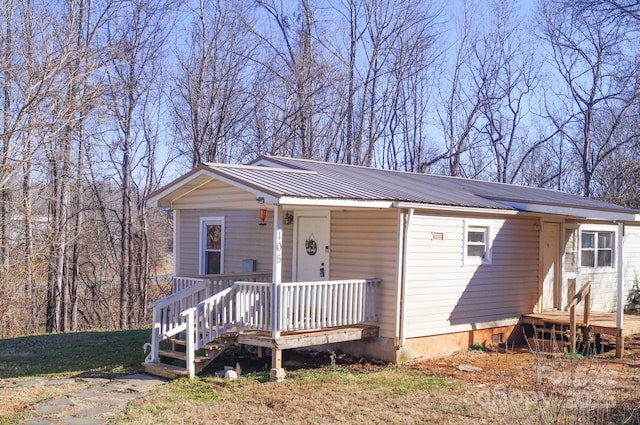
x,y
84,354
246,357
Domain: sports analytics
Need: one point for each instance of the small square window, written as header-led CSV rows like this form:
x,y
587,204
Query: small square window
x,y
477,246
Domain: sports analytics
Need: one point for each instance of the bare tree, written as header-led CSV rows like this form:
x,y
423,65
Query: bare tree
x,y
210,101
31,81
461,99
506,72
611,8
291,62
598,68
136,36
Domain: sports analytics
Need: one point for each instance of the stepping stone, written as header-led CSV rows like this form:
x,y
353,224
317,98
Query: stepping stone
x,y
469,368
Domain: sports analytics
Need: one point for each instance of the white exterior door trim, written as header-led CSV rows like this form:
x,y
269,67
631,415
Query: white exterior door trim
x,y
296,229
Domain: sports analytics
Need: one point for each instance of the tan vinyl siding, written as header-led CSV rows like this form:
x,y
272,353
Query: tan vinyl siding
x,y
631,258
243,239
365,245
443,294
188,243
215,195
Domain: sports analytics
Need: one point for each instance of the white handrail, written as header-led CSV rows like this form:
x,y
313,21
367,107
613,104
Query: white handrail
x,y
183,282
167,312
248,306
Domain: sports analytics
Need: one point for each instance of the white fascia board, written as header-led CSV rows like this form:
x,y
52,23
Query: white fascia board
x,y
342,203
575,212
433,207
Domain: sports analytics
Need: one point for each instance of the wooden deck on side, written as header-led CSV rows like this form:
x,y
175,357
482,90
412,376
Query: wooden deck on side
x,y
603,323
600,323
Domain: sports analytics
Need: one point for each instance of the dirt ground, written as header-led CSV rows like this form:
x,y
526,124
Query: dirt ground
x,y
505,384
501,386
514,385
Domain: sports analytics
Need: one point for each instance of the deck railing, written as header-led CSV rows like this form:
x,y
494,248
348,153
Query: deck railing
x,y
584,294
189,292
241,306
217,281
315,305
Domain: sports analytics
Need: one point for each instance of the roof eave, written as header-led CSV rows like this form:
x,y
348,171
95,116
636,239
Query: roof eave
x,y
333,202
162,197
455,208
167,195
583,213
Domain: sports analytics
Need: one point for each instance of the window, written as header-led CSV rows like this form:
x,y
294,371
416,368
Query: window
x,y
596,249
477,246
212,242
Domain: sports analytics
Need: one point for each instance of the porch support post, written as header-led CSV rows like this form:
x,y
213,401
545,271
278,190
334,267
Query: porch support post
x,y
277,371
156,336
620,293
276,271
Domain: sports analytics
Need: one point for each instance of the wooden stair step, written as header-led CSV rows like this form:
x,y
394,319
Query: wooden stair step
x,y
214,346
210,346
180,355
180,340
165,370
177,341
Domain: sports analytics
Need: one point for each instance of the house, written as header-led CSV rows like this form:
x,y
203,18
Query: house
x,y
286,252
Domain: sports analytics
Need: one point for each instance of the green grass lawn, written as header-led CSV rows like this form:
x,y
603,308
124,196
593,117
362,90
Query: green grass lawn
x,y
340,394
506,391
73,354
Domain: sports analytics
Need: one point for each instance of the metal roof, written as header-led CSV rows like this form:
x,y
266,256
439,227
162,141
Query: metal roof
x,y
369,183
300,179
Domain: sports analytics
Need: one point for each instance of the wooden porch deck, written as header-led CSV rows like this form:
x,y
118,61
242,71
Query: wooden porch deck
x,y
210,313
299,339
600,323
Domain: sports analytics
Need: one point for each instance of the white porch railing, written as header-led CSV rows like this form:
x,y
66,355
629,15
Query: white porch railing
x,y
217,280
315,305
242,306
189,292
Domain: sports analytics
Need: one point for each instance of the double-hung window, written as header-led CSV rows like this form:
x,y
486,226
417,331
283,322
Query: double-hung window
x,y
212,245
596,249
477,244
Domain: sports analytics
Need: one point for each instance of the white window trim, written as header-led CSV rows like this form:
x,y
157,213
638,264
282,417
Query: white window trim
x,y
614,248
478,224
204,222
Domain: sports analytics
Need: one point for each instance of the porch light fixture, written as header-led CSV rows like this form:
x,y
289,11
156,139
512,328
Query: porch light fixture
x,y
263,216
288,218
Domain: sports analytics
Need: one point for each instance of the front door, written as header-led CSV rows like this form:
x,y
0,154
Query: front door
x,y
312,248
549,245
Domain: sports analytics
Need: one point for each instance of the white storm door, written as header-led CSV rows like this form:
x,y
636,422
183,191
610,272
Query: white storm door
x,y
312,248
